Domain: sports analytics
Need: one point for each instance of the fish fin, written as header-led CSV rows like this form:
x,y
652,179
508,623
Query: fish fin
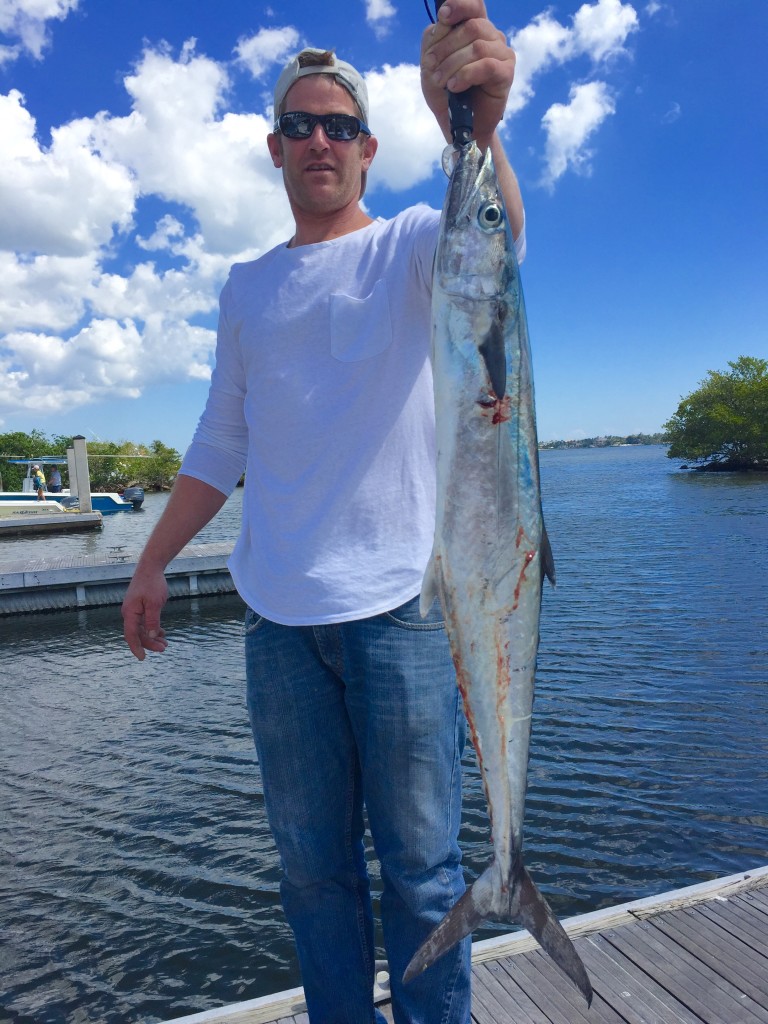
x,y
547,560
428,588
494,356
517,902
460,921
535,914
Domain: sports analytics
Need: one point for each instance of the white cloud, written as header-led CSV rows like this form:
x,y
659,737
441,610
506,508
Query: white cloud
x,y
675,111
269,46
64,200
44,292
379,14
569,126
538,46
598,31
181,145
601,29
68,323
410,142
27,21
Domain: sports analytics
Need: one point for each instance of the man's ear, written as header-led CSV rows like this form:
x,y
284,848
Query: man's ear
x,y
369,151
275,149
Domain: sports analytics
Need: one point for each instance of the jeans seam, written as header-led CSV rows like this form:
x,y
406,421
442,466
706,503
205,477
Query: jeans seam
x,y
426,626
450,989
359,909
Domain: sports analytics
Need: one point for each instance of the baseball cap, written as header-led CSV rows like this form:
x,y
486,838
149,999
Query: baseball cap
x,y
344,73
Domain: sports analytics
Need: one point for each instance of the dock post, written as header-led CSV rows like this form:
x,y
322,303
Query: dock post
x,y
82,473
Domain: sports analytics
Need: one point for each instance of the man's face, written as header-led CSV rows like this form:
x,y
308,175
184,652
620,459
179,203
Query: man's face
x,y
321,176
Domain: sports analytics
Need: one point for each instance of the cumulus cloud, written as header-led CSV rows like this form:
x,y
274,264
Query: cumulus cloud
x,y
568,126
182,145
268,46
599,33
380,14
65,200
26,21
66,208
410,140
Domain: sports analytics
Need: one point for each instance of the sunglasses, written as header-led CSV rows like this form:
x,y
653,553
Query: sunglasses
x,y
338,127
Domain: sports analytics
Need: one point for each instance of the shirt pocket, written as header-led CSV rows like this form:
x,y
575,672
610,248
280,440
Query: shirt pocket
x,y
360,327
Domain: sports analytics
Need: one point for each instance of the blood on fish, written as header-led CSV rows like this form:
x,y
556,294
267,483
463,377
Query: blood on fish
x,y
499,406
529,557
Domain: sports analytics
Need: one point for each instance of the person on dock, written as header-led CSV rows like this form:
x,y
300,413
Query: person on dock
x,y
54,481
38,482
322,392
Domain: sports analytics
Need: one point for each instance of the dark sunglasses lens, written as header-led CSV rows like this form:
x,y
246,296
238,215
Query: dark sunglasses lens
x,y
297,125
340,127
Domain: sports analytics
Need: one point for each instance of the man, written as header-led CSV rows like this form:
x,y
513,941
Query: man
x,y
38,483
322,389
54,484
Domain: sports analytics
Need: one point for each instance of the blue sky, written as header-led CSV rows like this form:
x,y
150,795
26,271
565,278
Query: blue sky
x,y
134,171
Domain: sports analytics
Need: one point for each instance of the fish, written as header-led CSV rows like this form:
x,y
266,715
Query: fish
x,y
491,551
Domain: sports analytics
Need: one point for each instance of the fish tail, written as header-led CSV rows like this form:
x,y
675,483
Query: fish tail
x,y
518,902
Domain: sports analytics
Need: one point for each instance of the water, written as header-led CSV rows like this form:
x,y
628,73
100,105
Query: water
x,y
137,878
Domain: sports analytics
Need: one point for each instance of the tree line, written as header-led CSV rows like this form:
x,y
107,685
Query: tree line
x,y
112,465
607,441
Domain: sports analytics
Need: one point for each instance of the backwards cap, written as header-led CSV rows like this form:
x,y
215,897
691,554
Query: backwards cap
x,y
344,74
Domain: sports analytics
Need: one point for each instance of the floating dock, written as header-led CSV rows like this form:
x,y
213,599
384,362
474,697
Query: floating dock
x,y
86,581
19,518
697,955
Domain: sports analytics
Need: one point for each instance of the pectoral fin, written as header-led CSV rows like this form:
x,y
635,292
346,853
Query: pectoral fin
x,y
491,348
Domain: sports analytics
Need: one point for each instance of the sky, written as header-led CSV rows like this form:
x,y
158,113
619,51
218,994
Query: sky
x,y
134,171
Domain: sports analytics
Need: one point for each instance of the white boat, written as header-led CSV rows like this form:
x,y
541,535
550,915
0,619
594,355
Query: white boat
x,y
33,508
131,499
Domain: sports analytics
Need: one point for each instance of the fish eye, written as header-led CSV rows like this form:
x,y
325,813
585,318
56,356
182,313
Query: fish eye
x,y
490,216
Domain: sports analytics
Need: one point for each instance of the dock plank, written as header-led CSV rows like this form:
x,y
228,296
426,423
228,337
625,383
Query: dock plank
x,y
494,999
738,920
707,993
542,981
729,957
636,997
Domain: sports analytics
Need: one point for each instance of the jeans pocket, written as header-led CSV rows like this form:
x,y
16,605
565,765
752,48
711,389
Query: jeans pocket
x,y
253,621
407,616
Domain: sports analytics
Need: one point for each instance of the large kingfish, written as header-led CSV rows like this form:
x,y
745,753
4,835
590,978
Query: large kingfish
x,y
491,550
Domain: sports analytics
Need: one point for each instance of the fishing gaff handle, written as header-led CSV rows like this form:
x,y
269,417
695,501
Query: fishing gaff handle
x,y
460,109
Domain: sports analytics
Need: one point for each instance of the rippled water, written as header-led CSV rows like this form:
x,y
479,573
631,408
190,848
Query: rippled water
x,y
137,877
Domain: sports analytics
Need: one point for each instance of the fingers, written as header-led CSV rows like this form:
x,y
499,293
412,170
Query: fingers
x,y
464,50
143,633
141,616
473,53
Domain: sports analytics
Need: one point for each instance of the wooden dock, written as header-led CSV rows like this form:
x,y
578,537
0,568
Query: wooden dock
x,y
698,955
26,521
85,581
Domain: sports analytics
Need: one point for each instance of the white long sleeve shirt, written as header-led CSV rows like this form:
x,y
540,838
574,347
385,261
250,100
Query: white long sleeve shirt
x,y
322,392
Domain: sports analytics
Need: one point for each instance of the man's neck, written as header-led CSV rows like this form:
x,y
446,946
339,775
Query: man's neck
x,y
312,228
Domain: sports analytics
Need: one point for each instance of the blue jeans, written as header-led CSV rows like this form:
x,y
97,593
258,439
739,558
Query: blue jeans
x,y
363,713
